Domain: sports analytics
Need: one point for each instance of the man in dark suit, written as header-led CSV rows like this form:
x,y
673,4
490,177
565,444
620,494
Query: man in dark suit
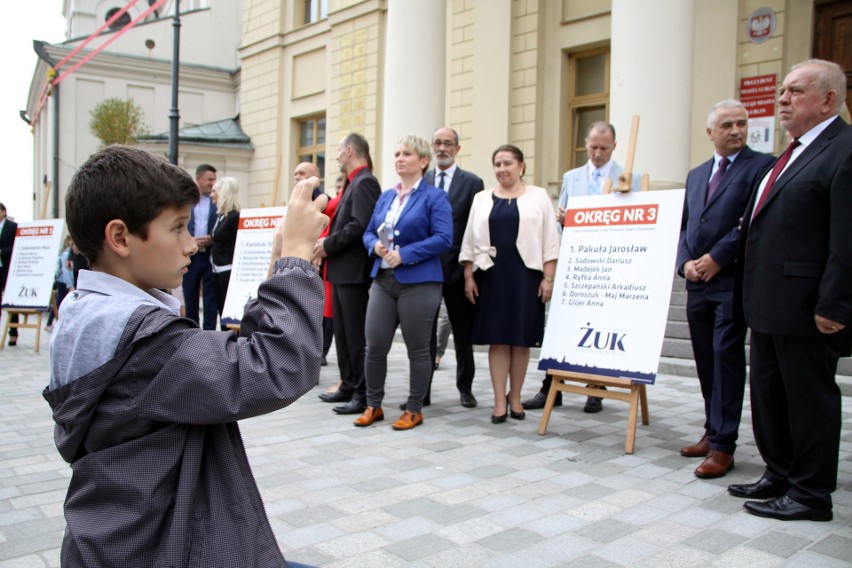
x,y
8,231
349,271
460,186
797,298
200,273
717,192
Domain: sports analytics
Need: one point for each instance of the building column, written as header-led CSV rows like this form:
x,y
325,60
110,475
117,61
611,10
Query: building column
x,y
651,75
414,87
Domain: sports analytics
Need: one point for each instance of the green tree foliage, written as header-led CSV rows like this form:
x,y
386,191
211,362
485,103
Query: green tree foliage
x,y
117,121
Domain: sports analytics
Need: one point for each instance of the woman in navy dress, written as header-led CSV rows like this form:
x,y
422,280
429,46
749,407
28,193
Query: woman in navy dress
x,y
509,256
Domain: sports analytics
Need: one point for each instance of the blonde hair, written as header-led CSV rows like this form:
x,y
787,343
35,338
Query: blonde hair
x,y
419,146
228,195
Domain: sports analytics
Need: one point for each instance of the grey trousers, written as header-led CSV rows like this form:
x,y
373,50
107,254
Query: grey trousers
x,y
413,307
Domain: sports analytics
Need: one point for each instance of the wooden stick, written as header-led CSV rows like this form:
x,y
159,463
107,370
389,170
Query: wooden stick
x,y
276,181
47,185
625,181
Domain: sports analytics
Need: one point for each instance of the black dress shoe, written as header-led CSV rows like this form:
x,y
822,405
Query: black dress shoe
x,y
537,402
785,509
763,488
354,406
499,419
426,402
517,415
335,396
323,362
594,404
467,400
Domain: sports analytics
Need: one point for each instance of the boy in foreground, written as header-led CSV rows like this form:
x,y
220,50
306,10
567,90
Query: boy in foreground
x,y
146,404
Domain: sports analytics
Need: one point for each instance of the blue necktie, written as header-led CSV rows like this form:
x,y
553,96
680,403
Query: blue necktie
x,y
595,183
442,175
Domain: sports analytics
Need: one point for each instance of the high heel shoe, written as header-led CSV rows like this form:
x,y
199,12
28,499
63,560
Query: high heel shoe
x,y
515,415
499,419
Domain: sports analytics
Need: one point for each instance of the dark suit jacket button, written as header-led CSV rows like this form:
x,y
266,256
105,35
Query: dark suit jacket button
x,y
703,220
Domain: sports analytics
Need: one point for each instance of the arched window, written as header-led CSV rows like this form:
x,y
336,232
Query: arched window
x,y
119,23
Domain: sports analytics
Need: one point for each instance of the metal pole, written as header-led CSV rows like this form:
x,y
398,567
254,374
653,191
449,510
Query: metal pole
x,y
174,114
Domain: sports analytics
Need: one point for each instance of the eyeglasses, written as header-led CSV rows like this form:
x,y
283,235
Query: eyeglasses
x,y
444,143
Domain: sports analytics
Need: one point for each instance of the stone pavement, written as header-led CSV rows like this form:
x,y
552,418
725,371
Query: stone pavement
x,y
457,491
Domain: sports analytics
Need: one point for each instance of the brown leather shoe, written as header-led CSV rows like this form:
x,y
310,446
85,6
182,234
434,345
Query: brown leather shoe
x,y
372,414
716,464
408,420
699,450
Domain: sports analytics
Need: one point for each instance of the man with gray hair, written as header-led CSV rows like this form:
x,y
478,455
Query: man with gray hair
x,y
588,179
797,298
717,192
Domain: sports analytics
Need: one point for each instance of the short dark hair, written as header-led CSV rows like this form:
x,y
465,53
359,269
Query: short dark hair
x,y
203,168
359,145
515,151
120,182
2,208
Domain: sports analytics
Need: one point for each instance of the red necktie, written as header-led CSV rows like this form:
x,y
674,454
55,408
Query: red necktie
x,y
776,171
717,178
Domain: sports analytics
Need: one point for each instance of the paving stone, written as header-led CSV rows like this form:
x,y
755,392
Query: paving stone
x,y
835,546
458,491
715,541
781,544
418,547
606,531
510,540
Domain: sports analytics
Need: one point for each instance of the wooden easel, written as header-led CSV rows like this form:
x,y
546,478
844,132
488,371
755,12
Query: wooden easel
x,y
625,180
25,324
592,385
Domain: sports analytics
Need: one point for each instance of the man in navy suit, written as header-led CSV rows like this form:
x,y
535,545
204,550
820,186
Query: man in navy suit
x,y
716,195
200,273
797,298
460,186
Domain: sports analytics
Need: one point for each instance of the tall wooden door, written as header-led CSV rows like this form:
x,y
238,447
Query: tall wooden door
x,y
833,38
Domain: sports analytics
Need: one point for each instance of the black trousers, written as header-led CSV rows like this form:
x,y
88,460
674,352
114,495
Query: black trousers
x,y
795,403
350,314
460,312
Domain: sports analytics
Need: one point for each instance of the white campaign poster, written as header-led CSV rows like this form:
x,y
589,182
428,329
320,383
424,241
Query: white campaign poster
x,y
32,269
612,285
761,134
251,258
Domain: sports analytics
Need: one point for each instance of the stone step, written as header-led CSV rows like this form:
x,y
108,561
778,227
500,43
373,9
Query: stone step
x,y
677,313
677,330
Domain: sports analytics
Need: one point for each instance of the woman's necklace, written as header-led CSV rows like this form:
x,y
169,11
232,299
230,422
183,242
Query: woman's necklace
x,y
502,193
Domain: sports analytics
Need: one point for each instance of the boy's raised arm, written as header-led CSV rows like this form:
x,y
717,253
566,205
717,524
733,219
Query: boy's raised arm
x,y
298,231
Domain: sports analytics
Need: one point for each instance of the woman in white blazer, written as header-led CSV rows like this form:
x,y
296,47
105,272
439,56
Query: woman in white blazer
x,y
509,254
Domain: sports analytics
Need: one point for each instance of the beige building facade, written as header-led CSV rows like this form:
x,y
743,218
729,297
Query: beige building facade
x,y
533,73
298,75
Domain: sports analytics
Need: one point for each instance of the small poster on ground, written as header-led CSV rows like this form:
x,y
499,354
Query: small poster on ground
x,y
251,259
612,285
32,269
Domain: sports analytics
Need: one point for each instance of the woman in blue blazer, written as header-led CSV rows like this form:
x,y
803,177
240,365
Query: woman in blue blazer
x,y
411,226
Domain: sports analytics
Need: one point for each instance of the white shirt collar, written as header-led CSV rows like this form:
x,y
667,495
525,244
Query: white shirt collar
x,y
109,285
811,134
603,169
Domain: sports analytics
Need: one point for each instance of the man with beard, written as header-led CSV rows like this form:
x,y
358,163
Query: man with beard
x,y
460,186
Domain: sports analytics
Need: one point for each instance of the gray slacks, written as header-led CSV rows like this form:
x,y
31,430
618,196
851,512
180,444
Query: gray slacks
x,y
413,307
